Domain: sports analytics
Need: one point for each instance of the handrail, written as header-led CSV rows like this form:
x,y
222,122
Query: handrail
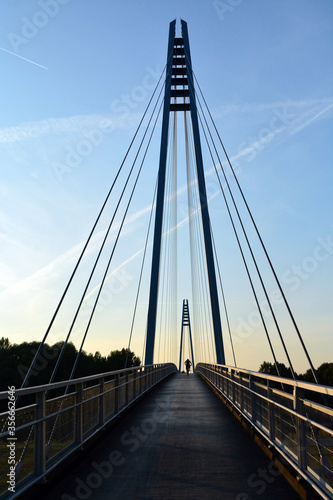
x,y
322,389
64,383
302,433
66,423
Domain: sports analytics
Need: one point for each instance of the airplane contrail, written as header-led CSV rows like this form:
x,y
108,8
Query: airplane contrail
x,y
24,58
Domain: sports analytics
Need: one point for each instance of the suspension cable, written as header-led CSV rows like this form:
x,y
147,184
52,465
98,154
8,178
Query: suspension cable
x,y
37,354
115,244
243,256
262,244
223,297
140,277
199,284
250,249
106,271
102,246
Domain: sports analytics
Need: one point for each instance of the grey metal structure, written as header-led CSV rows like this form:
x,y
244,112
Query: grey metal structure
x,y
69,420
287,414
179,84
185,323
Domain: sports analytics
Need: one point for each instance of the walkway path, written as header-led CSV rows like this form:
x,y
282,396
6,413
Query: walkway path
x,y
180,443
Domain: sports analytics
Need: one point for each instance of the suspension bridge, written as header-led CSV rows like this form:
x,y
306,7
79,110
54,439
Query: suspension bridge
x,y
152,431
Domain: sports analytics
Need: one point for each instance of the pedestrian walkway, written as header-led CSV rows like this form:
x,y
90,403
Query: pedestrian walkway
x,y
180,442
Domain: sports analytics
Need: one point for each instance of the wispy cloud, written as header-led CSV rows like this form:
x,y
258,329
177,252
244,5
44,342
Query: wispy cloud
x,y
57,126
64,125
68,258
259,107
80,123
39,278
287,118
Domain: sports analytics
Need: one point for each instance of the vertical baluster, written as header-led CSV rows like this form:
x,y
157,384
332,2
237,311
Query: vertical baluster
x,y
79,413
233,386
300,428
134,383
241,381
116,394
101,402
40,435
271,411
253,400
126,389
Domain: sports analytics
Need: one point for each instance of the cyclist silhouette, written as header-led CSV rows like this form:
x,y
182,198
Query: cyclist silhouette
x,y
188,366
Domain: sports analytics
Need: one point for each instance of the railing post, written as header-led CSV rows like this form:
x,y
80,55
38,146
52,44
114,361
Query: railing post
x,y
134,382
271,411
253,400
40,435
126,389
241,402
233,385
101,402
116,394
140,380
78,414
300,428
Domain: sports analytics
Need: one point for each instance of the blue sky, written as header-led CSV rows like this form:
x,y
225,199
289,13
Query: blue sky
x,y
68,66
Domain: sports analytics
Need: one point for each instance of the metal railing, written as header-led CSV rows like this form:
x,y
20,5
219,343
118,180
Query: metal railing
x,y
292,415
48,425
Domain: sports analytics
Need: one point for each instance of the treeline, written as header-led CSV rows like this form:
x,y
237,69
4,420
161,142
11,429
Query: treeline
x,y
15,360
324,372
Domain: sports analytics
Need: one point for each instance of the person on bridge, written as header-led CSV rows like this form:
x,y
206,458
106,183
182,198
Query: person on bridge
x,y
188,366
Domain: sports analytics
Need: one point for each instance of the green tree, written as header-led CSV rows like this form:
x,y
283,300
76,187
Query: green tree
x,y
4,343
324,373
270,369
15,360
116,359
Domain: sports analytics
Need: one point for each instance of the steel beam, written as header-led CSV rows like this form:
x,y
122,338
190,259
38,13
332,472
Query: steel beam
x,y
153,295
215,309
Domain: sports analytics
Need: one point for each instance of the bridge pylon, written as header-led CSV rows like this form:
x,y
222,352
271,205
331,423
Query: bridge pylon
x,y
179,83
185,323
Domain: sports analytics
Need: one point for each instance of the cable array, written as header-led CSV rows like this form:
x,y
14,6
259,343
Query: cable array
x,y
220,168
167,327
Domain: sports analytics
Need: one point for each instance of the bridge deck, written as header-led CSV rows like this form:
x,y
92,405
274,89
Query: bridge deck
x,y
180,442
